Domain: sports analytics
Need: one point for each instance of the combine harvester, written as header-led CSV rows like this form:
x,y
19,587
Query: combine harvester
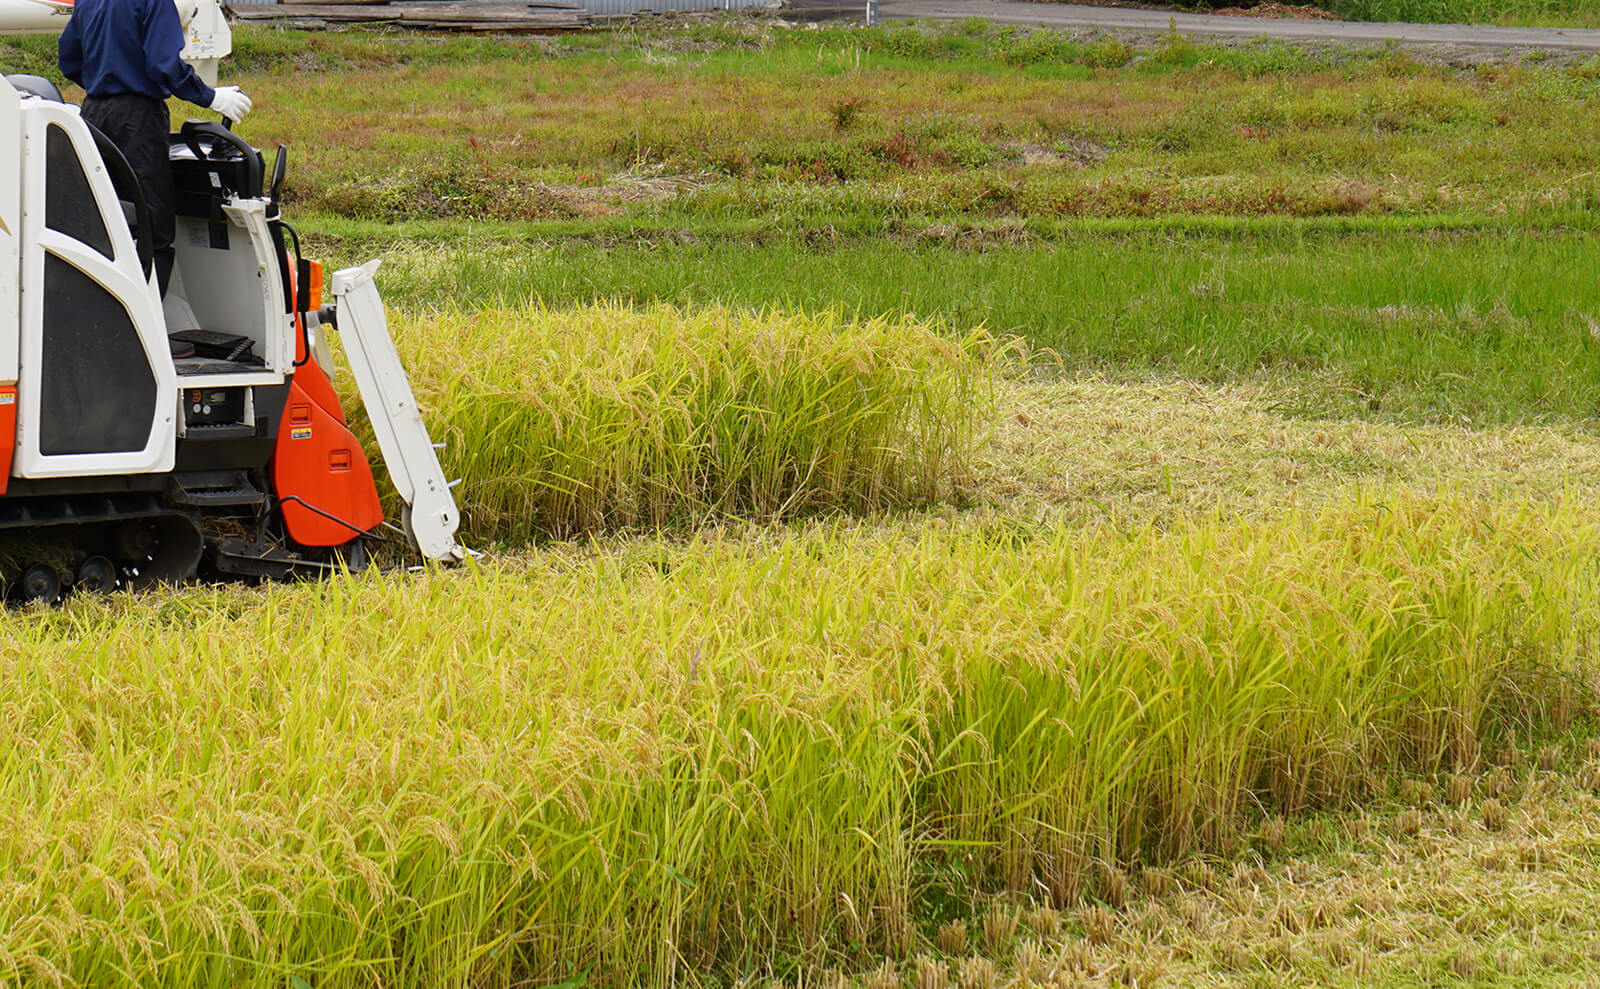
x,y
145,440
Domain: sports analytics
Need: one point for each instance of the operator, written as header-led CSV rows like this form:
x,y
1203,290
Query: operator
x,y
124,53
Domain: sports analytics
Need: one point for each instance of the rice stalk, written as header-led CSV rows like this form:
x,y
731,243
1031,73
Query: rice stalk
x,y
607,417
646,764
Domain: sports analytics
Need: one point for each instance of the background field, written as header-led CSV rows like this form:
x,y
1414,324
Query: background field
x,y
838,128
968,507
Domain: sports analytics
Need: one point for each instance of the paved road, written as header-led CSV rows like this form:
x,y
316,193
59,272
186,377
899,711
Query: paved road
x,y
1129,20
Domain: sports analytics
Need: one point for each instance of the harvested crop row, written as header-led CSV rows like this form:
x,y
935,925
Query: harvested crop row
x,y
641,759
607,417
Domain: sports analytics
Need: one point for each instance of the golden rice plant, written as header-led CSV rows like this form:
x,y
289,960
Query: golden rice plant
x,y
645,764
609,417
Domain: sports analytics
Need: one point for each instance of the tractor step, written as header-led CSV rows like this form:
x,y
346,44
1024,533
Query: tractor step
x,y
226,489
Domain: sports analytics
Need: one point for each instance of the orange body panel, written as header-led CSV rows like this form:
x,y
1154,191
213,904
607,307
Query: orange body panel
x,y
313,380
8,431
315,285
317,462
319,472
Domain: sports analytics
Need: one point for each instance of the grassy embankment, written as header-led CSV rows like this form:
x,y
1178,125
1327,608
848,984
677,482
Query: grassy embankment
x,y
684,166
1511,13
1507,13
620,762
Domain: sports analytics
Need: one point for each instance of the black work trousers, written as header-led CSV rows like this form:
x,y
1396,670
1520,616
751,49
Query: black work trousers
x,y
138,126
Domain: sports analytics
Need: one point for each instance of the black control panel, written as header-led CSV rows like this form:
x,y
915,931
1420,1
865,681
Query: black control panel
x,y
213,406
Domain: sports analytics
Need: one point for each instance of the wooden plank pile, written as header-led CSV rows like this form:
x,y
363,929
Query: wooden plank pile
x,y
434,15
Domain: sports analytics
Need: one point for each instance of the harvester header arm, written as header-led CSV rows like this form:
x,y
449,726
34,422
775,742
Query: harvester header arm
x,y
431,516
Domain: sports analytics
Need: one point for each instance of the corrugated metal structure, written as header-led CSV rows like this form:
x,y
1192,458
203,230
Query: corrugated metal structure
x,y
614,8
516,16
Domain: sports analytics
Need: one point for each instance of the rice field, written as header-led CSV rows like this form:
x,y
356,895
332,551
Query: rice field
x,y
787,749
651,763
611,417
971,591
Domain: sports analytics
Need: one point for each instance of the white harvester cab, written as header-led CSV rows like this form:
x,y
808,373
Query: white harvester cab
x,y
161,435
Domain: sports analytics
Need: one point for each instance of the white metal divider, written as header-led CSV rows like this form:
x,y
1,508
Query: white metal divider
x,y
397,422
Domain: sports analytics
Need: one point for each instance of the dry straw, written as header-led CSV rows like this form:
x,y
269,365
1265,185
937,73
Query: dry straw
x,y
610,417
639,763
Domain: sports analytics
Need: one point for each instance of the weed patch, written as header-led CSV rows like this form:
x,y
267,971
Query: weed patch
x,y
390,127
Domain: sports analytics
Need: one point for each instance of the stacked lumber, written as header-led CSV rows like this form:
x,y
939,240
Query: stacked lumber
x,y
436,15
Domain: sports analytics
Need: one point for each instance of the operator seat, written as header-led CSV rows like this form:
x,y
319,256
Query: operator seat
x,y
35,86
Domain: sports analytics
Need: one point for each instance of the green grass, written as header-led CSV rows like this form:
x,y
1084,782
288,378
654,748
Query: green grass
x,y
744,754
1476,326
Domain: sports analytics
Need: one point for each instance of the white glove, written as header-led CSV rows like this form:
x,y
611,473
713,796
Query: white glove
x,y
231,102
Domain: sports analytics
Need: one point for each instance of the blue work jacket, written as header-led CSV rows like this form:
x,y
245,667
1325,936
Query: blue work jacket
x,y
112,47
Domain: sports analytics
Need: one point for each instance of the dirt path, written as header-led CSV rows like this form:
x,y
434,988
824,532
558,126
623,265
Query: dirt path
x,y
1139,21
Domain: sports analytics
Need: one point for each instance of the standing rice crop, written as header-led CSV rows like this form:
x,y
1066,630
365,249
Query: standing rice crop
x,y
608,417
646,764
